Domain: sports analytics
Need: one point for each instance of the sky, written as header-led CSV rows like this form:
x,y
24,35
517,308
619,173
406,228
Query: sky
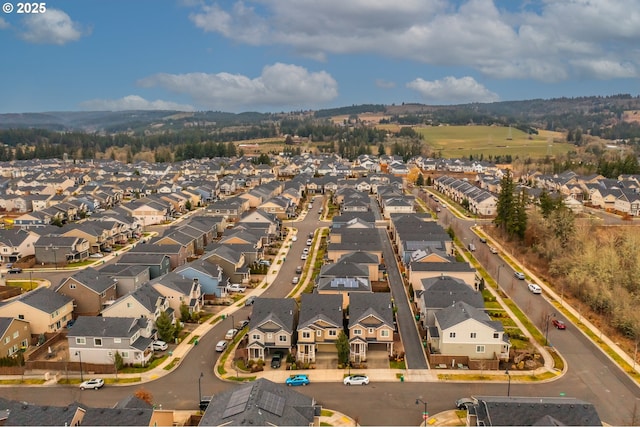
x,y
288,55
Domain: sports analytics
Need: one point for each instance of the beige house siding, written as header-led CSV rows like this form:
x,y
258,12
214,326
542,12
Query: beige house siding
x,y
17,335
39,321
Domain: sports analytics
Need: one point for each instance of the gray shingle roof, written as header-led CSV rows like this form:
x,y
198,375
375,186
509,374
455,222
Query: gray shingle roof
x,y
316,307
98,326
362,305
43,299
281,311
92,279
461,312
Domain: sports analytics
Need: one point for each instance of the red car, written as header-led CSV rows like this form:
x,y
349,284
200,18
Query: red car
x,y
559,324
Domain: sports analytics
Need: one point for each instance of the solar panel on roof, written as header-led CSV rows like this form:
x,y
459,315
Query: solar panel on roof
x,y
237,402
271,402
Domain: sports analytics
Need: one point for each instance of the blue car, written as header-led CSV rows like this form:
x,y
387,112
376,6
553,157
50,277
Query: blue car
x,y
298,380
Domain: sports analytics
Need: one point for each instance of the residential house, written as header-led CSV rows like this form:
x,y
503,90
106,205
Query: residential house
x,y
346,240
60,250
127,277
492,411
232,262
344,279
212,280
271,327
261,403
463,330
437,293
371,325
45,310
158,264
320,324
15,335
90,290
176,253
180,292
144,301
16,243
96,340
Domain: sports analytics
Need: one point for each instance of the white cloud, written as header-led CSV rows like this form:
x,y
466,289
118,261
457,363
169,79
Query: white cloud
x,y
133,102
451,90
544,42
52,27
279,85
3,24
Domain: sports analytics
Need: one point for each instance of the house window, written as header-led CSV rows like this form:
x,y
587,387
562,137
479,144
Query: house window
x,y
269,336
21,316
282,338
473,335
496,335
97,342
255,337
370,331
125,354
452,334
7,339
81,340
306,334
16,334
72,286
117,340
384,333
357,332
333,333
24,343
479,349
128,305
319,333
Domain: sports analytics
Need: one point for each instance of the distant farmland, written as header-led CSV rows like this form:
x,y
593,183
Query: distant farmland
x,y
463,141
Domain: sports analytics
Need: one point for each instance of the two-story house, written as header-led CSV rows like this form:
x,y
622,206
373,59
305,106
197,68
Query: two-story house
x,y
97,339
321,322
371,325
180,291
91,291
272,326
15,334
45,310
144,301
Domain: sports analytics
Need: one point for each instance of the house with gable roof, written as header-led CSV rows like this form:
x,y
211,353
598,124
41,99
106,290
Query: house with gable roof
x,y
96,340
90,290
320,324
463,330
15,334
144,301
371,325
180,291
272,326
45,310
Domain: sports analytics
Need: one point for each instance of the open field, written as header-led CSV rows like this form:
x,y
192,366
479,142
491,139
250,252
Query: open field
x,y
462,141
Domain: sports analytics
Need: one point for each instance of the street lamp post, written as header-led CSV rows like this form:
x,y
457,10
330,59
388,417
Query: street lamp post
x,y
425,413
79,354
509,383
200,388
546,333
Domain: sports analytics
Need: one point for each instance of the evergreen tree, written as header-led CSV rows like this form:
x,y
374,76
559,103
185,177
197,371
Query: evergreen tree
x,y
165,328
420,180
342,345
506,205
381,151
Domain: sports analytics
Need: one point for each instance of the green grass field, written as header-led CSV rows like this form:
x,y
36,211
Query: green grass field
x,y
462,141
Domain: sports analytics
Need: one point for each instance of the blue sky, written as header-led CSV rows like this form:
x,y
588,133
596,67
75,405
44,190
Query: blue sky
x,y
283,55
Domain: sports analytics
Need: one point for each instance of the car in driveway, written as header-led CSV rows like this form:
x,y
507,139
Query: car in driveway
x,y
230,334
236,287
519,275
535,289
559,324
96,255
276,360
464,402
92,384
356,380
221,346
301,379
159,345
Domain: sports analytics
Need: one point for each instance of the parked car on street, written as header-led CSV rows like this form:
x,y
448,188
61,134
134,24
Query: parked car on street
x,y
96,255
309,242
14,270
559,324
519,275
243,323
304,256
92,384
250,300
534,288
295,280
356,380
493,250
221,346
230,334
301,379
483,240
299,269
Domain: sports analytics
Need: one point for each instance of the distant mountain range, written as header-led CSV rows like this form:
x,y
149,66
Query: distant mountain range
x,y
534,112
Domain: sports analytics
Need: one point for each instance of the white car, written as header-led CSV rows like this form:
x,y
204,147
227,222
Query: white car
x,y
235,287
159,345
295,280
356,380
519,275
221,346
535,289
294,239
304,256
493,250
95,384
230,334
309,242
96,255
